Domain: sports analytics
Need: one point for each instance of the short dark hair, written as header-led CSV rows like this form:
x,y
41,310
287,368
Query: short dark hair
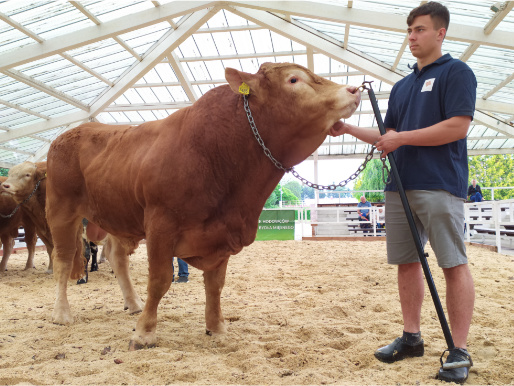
x,y
438,13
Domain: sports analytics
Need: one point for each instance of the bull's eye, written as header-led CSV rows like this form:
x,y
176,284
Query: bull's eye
x,y
293,80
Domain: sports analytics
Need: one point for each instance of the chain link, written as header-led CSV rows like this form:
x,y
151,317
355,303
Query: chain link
x,y
291,170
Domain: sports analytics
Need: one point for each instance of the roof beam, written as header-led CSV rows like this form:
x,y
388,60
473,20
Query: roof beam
x,y
103,31
174,62
21,28
374,19
21,77
16,150
20,108
169,42
494,123
321,45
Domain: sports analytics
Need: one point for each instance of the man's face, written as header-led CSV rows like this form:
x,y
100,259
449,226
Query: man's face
x,y
363,199
423,38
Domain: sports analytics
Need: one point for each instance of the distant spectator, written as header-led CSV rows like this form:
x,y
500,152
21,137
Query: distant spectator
x,y
364,213
474,192
183,272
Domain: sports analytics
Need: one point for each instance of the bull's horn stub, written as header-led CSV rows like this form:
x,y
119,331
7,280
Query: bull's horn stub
x,y
244,89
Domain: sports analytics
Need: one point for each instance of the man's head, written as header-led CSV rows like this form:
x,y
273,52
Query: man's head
x,y
363,199
427,26
474,182
438,13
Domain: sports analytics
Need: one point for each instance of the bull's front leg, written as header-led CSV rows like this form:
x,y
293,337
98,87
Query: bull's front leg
x,y
214,282
117,254
160,276
8,244
30,241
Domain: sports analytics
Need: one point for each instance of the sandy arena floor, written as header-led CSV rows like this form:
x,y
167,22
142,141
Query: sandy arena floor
x,y
299,313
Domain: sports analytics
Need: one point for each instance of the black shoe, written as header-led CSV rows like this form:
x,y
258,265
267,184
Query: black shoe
x,y
399,350
456,367
182,279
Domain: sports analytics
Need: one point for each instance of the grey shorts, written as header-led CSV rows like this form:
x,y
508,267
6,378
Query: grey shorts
x,y
439,217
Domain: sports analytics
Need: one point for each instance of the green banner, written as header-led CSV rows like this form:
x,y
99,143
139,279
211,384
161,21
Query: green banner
x,y
276,225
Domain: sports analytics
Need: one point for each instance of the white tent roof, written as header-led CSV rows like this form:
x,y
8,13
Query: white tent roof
x,y
63,63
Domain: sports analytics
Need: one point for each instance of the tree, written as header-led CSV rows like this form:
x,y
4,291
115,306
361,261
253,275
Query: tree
x,y
273,200
371,179
295,187
4,172
493,171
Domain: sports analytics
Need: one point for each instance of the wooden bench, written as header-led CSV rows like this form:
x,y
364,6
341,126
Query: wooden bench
x,y
492,231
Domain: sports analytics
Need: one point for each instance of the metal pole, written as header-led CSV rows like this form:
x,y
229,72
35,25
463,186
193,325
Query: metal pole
x,y
412,225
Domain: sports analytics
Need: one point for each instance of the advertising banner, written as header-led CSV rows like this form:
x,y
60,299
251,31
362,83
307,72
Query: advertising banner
x,y
276,225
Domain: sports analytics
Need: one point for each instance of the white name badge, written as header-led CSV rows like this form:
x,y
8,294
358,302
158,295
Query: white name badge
x,y
429,83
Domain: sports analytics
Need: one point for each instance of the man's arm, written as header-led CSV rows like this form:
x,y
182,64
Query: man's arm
x,y
447,131
366,135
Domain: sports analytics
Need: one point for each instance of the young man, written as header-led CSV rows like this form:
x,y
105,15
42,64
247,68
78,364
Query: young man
x,y
427,122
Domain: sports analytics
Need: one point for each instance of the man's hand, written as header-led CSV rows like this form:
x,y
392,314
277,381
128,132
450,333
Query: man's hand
x,y
338,129
389,142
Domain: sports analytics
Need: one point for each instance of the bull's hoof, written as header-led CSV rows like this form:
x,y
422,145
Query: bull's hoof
x,y
134,308
94,268
82,281
63,320
133,345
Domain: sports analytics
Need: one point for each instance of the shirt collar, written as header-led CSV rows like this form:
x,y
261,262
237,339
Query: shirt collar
x,y
443,59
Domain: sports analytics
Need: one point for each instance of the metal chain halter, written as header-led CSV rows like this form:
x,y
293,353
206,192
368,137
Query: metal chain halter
x,y
278,165
23,202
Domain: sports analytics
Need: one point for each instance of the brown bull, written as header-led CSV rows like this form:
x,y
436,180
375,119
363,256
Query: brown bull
x,y
11,218
26,185
193,184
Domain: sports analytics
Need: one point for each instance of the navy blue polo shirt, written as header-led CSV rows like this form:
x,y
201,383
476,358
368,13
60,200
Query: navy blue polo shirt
x,y
441,90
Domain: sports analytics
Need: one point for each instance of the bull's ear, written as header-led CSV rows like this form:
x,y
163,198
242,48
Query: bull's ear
x,y
40,170
236,78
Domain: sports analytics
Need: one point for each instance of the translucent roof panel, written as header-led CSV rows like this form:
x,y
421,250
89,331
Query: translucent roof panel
x,y
108,61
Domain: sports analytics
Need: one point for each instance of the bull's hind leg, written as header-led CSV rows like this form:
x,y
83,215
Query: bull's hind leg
x,y
117,254
214,282
159,280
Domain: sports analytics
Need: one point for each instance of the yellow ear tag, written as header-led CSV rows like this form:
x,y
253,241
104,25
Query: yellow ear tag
x,y
244,89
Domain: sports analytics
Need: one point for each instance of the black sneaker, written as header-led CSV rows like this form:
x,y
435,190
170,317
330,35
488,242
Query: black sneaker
x,y
456,367
399,350
182,279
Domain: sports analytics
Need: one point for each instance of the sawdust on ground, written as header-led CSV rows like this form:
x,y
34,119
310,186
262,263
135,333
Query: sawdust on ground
x,y
298,313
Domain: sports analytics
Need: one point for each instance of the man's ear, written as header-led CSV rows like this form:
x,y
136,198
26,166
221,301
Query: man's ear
x,y
236,78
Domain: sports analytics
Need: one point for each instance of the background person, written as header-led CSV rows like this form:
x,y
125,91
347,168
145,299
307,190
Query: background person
x,y
474,192
427,121
364,213
183,271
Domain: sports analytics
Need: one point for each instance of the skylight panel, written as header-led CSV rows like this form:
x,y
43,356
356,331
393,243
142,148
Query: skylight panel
x,y
243,42
206,45
165,72
280,43
262,40
178,94
147,95
216,69
162,94
224,43
321,63
234,20
11,38
217,21
189,48
113,9
300,59
234,63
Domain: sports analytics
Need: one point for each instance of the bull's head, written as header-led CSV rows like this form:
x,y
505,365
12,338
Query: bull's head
x,y
292,96
22,180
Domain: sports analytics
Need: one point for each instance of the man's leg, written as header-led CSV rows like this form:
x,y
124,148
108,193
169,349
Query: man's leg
x,y
411,288
460,299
